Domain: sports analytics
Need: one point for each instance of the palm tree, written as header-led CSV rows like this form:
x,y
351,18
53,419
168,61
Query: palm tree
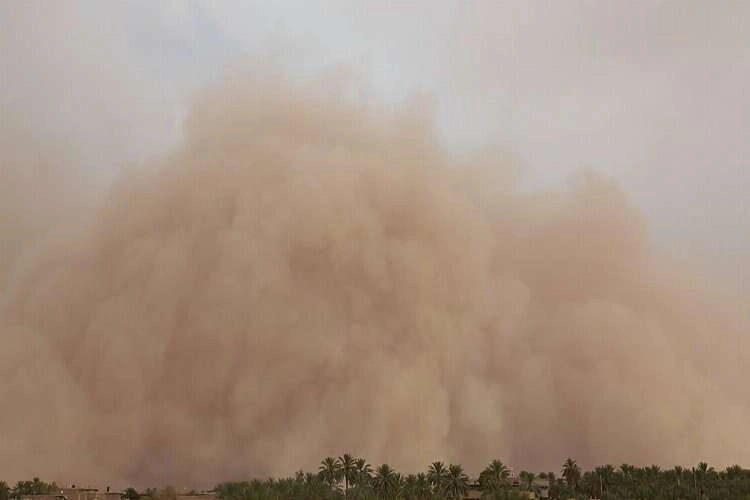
x,y
386,482
604,473
437,475
409,491
572,473
499,470
588,483
557,488
362,467
678,472
330,471
457,482
423,486
361,478
527,479
347,467
362,472
701,473
494,477
734,472
315,486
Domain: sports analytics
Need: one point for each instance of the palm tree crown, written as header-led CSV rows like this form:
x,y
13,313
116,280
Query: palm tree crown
x,y
437,474
386,482
571,473
494,477
457,482
347,468
330,471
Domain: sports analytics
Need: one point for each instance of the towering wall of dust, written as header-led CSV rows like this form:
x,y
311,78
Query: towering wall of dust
x,y
304,277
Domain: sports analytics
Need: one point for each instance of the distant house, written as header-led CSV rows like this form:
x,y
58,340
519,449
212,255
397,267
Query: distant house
x,y
474,492
74,493
89,494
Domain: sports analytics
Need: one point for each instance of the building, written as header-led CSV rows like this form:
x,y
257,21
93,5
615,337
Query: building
x,y
474,492
74,493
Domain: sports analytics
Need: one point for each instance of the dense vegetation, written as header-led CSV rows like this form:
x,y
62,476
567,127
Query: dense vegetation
x,y
22,488
354,479
349,478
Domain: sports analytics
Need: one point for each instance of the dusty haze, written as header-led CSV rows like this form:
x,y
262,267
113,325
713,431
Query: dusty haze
x,y
307,275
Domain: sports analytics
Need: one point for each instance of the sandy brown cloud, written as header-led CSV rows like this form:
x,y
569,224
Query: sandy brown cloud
x,y
305,276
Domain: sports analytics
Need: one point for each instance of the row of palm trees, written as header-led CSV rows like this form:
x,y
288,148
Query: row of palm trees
x,y
349,478
701,481
449,481
352,478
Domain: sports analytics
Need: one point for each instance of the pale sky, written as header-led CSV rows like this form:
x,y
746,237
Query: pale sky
x,y
649,92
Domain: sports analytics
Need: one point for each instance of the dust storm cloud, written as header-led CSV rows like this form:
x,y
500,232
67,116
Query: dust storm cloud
x,y
305,276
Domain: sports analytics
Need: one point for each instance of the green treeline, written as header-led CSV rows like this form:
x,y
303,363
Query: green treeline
x,y
33,487
347,478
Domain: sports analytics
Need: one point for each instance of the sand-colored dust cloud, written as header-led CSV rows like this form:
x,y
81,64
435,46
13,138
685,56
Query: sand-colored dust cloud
x,y
305,276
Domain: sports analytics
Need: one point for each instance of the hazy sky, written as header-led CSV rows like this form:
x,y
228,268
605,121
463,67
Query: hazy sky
x,y
651,93
556,294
